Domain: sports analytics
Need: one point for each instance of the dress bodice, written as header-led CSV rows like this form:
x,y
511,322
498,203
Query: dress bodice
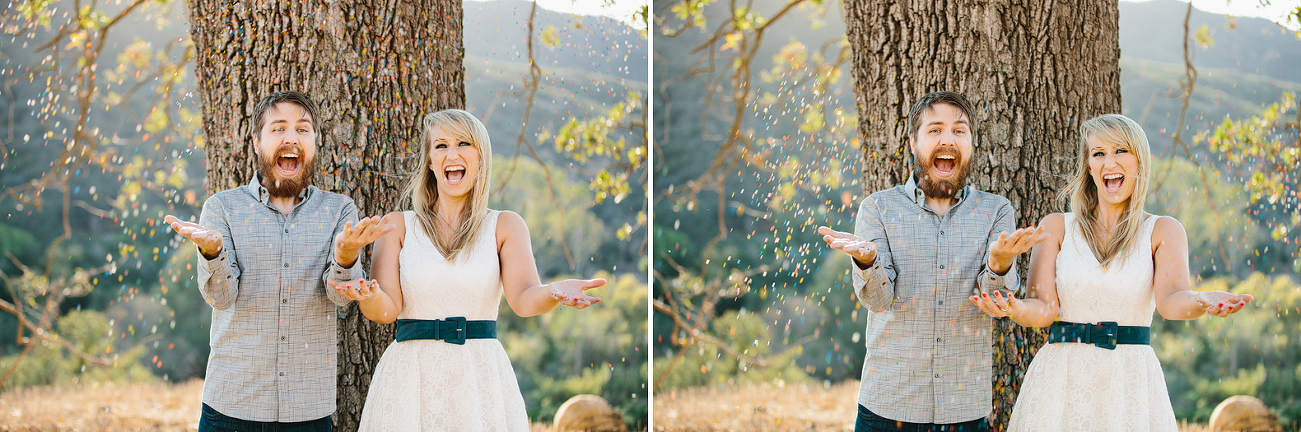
x,y
1122,292
435,288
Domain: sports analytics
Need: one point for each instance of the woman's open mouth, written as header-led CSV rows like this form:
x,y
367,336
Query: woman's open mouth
x,y
454,174
1113,182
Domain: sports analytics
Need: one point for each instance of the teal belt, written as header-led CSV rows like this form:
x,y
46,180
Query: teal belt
x,y
453,330
1104,334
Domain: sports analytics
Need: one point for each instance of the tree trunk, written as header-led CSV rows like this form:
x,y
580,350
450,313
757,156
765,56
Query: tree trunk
x,y
1033,71
374,67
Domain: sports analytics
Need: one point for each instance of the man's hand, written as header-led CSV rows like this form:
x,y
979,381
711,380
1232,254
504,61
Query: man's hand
x,y
348,244
208,241
862,251
1005,249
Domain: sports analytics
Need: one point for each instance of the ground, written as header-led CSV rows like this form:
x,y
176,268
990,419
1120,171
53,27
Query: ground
x,y
109,408
768,407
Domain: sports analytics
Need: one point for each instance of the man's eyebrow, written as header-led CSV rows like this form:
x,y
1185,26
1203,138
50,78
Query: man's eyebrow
x,y
940,122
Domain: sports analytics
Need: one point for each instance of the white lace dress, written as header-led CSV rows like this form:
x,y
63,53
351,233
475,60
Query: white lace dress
x,y
432,385
1081,387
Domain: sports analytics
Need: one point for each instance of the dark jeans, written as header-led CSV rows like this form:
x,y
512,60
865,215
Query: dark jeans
x,y
869,422
213,421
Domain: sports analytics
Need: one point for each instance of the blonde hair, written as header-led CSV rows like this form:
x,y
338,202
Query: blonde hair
x,y
422,190
1122,133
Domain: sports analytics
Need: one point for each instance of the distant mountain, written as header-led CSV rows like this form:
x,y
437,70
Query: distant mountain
x,y
1248,67
498,31
1153,31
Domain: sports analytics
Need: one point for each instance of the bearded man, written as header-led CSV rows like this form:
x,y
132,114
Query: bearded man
x,y
920,251
268,250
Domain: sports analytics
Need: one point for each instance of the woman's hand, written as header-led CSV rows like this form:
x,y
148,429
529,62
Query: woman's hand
x,y
570,292
1222,304
997,305
359,290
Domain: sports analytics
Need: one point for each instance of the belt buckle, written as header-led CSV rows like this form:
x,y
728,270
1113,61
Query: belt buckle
x,y
457,325
1106,335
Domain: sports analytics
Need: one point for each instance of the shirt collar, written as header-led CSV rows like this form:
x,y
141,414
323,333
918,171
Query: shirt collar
x,y
256,189
919,197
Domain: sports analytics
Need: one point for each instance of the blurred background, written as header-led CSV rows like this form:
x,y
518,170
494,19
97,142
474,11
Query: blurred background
x,y
755,322
100,137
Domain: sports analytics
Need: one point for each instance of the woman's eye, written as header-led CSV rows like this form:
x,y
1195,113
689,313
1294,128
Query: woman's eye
x,y
463,143
1119,151
440,145
1097,154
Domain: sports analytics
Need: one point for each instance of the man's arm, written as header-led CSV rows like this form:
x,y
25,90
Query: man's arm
x,y
335,271
874,281
219,274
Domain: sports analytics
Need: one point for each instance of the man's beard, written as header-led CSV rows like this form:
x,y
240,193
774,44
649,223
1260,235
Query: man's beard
x,y
941,188
281,187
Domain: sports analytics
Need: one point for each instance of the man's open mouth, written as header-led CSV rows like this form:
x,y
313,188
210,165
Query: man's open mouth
x,y
289,164
945,164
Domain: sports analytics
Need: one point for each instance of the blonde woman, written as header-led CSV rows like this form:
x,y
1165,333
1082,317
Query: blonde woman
x,y
1096,282
441,274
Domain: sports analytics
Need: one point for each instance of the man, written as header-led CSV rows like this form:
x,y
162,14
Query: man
x,y
268,249
920,250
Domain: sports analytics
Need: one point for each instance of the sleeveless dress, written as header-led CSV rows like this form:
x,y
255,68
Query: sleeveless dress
x,y
432,385
1082,387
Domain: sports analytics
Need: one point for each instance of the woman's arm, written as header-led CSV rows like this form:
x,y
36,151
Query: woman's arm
x,y
1171,281
523,289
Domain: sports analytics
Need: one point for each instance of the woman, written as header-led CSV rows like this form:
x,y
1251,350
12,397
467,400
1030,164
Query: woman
x,y
441,274
1105,267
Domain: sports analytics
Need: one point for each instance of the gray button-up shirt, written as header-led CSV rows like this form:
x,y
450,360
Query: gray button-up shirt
x,y
273,339
928,348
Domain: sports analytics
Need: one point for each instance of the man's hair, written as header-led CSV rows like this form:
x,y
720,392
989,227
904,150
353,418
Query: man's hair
x,y
942,97
293,97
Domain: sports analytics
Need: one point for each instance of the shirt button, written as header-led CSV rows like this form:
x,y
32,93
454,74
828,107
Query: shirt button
x,y
282,338
287,265
283,374
936,339
284,300
941,232
941,265
287,231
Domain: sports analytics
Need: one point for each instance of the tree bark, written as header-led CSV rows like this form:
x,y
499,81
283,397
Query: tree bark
x,y
374,67
1033,71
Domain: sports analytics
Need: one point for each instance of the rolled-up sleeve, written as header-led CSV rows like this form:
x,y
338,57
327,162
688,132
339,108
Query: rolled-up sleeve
x,y
875,284
218,277
988,281
335,271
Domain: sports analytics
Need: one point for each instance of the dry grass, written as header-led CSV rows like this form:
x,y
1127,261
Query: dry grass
x,y
103,407
769,407
112,408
